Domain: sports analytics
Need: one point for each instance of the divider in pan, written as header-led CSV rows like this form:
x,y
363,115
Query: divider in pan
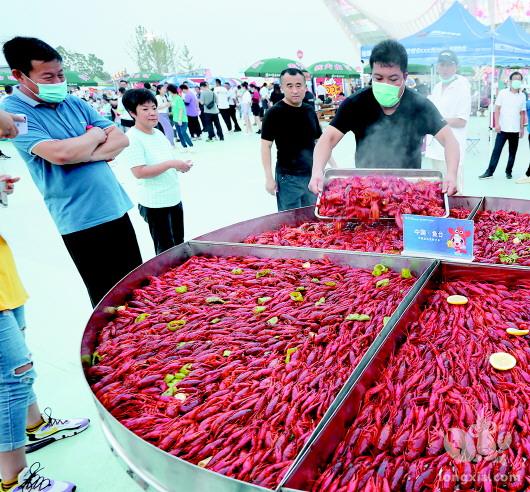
x,y
412,175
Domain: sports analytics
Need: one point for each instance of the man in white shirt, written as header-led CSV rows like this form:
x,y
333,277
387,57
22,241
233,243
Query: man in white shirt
x,y
222,103
152,161
246,103
232,104
321,92
264,95
452,97
510,108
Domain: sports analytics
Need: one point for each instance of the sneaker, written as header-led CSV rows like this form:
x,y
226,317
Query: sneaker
x,y
485,176
54,430
238,130
523,180
29,480
259,132
209,139
3,156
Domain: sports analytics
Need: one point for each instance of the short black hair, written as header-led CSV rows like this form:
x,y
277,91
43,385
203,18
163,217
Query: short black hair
x,y
203,84
172,88
389,52
9,89
183,87
121,90
291,71
136,97
147,85
512,75
218,81
158,87
244,84
20,51
123,80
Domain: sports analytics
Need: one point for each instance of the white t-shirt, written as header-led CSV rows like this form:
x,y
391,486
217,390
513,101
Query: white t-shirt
x,y
222,97
453,101
264,93
511,104
246,98
321,90
124,114
232,96
144,149
161,100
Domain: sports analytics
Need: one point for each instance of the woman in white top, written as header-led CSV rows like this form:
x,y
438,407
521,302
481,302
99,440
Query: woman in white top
x,y
163,113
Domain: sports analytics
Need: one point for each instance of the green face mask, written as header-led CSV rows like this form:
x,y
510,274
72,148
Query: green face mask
x,y
448,80
51,93
387,95
516,84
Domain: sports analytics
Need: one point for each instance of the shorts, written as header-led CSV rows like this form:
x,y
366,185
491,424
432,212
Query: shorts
x,y
256,109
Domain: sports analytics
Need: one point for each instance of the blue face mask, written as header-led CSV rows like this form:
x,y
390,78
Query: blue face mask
x,y
50,93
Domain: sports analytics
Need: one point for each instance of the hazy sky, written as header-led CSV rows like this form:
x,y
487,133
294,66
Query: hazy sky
x,y
224,35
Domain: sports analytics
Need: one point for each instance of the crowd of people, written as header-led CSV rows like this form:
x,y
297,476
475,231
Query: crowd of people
x,y
72,137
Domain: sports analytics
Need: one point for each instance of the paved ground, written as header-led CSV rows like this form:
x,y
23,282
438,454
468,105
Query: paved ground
x,y
225,186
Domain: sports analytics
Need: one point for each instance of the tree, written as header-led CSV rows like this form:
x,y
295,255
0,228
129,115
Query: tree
x,y
185,61
89,64
153,53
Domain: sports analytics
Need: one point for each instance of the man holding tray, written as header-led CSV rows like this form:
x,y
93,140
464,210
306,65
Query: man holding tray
x,y
389,122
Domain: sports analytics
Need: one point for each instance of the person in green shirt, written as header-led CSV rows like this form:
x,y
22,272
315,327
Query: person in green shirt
x,y
180,118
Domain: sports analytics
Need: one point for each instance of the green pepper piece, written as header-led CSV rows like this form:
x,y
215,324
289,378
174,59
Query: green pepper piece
x,y
237,271
175,324
169,392
330,283
226,353
382,283
379,269
321,301
259,309
181,289
186,368
263,300
214,300
272,321
296,296
300,289
168,378
215,321
141,317
358,317
290,351
262,273
405,273
181,344
96,358
315,280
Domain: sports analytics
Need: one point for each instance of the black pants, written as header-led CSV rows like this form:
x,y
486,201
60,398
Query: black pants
x,y
528,170
232,113
293,192
500,140
194,126
166,225
209,121
104,254
225,113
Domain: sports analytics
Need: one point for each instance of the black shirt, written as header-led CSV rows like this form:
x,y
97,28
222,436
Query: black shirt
x,y
276,97
388,141
294,129
309,98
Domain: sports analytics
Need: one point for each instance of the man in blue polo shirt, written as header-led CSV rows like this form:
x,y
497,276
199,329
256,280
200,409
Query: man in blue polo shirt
x,y
67,149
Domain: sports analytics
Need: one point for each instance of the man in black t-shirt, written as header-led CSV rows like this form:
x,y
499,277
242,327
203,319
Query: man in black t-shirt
x,y
389,122
293,125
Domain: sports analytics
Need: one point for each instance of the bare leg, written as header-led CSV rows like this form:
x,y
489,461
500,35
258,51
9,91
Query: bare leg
x,y
12,463
34,415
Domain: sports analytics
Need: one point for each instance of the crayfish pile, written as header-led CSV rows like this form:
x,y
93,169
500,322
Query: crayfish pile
x,y
502,237
230,363
372,197
376,237
440,417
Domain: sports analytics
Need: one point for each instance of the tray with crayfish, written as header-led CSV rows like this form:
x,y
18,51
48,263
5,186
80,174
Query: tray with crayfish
x,y
375,204
430,410
127,363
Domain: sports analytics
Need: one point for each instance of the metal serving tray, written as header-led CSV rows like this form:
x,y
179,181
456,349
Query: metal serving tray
x,y
412,175
157,470
306,470
237,233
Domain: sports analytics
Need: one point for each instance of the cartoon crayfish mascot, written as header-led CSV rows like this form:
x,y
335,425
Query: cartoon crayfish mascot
x,y
458,240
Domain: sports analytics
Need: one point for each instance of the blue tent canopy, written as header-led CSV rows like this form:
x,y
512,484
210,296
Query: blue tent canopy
x,y
509,29
459,31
